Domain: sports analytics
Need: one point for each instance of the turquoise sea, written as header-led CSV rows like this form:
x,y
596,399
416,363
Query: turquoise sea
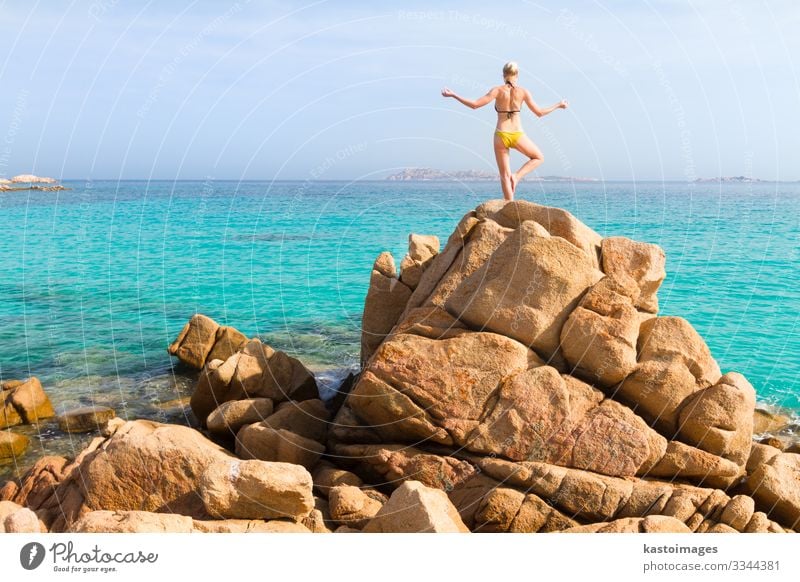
x,y
96,281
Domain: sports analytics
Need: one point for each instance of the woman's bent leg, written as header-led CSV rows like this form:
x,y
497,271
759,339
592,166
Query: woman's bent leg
x,y
504,167
530,149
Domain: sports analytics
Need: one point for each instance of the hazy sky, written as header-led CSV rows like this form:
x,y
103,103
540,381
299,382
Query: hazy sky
x,y
338,90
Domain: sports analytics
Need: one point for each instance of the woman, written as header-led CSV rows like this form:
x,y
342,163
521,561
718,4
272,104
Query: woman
x,y
508,100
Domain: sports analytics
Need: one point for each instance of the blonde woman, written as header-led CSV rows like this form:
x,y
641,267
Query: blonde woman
x,y
508,99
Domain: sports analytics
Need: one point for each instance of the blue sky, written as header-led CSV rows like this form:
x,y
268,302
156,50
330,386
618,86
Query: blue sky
x,y
340,90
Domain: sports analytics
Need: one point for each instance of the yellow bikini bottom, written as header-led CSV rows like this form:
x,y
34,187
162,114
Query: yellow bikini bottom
x,y
509,138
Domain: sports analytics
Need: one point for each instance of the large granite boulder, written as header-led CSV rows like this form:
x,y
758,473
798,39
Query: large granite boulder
x,y
421,250
23,402
256,490
232,415
526,290
386,299
195,341
599,337
259,441
775,486
415,508
673,363
642,263
556,221
17,519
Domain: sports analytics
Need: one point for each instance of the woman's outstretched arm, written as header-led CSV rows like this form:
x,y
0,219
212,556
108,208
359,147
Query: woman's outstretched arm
x,y
488,98
541,112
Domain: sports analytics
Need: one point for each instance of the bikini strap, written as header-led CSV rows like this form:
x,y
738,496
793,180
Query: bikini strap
x,y
510,99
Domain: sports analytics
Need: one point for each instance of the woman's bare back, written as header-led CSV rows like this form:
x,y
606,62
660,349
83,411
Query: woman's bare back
x,y
508,104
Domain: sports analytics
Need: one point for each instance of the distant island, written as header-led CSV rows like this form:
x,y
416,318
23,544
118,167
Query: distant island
x,y
431,174
730,179
29,182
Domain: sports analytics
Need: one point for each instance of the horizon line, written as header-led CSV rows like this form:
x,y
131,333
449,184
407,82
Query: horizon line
x,y
566,180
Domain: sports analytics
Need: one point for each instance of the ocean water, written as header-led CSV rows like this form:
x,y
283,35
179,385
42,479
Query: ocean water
x,y
96,281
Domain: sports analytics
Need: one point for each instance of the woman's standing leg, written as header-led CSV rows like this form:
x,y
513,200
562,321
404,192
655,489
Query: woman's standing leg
x,y
530,149
504,166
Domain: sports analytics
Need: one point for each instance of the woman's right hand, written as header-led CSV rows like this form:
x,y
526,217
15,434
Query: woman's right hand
x,y
447,93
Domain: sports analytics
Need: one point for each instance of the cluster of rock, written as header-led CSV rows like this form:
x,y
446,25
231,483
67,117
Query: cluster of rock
x,y
25,402
21,402
526,372
518,380
143,476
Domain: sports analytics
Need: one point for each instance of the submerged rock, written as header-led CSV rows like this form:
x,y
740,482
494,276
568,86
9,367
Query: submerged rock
x,y
85,419
195,341
12,445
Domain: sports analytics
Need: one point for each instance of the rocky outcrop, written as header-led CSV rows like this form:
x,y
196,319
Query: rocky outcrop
x,y
673,363
255,371
530,376
487,505
327,476
598,338
768,421
23,402
195,341
103,521
526,290
39,483
146,466
391,465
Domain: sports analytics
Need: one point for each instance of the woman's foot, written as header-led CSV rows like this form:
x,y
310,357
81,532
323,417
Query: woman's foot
x,y
514,180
